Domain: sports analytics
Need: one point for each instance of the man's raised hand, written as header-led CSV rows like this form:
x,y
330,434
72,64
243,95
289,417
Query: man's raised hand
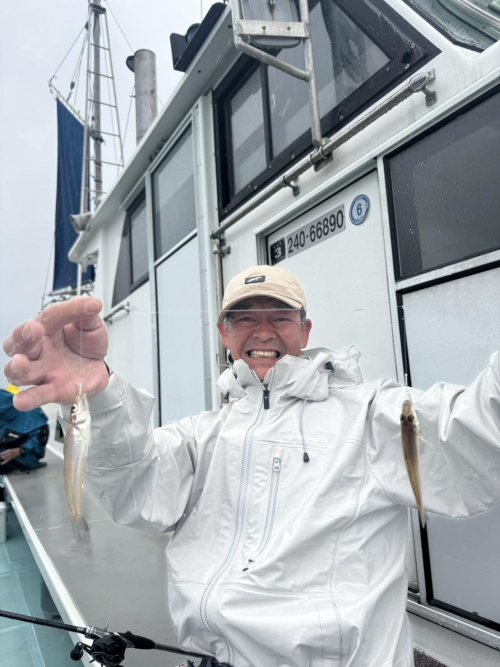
x,y
46,353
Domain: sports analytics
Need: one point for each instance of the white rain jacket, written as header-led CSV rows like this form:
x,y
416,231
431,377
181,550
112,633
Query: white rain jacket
x,y
276,562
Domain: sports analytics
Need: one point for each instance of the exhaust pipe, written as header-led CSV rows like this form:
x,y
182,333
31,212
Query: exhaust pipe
x,y
143,64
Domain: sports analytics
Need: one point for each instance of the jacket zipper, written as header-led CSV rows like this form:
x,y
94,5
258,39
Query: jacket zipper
x,y
239,523
271,509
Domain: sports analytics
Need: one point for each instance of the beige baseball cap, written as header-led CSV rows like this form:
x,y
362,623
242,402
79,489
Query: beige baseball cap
x,y
270,281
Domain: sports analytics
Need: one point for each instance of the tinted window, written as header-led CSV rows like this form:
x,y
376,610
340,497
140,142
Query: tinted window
x,y
361,50
247,132
344,58
123,271
173,196
139,241
446,194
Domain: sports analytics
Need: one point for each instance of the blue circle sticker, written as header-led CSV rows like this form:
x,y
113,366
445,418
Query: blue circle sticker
x,y
359,209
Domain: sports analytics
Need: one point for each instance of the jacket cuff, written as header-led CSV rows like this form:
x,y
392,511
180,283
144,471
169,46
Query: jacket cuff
x,y
109,396
101,401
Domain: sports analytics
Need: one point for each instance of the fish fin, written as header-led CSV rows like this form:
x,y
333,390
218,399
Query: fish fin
x,y
421,437
395,437
80,529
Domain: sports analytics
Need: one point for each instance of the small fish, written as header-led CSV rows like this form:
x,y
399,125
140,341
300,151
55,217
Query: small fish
x,y
76,447
409,440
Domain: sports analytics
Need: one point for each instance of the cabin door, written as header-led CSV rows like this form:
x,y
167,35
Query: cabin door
x,y
451,331
180,334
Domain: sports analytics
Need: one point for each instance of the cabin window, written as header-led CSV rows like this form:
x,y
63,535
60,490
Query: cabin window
x,y
174,196
247,132
262,119
139,241
344,58
444,192
473,26
132,269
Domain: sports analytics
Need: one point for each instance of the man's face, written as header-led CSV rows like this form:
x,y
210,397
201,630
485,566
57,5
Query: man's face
x,y
262,330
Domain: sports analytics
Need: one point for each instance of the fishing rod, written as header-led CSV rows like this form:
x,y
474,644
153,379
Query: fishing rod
x,y
108,648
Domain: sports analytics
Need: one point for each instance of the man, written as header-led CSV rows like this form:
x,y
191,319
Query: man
x,y
289,504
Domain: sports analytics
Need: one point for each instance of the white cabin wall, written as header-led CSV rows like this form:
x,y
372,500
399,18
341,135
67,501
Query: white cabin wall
x,y
130,348
130,352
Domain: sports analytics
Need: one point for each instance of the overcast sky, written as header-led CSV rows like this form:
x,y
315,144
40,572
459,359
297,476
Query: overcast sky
x,y
35,37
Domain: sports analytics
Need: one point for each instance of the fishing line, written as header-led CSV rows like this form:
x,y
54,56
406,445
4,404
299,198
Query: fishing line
x,y
81,347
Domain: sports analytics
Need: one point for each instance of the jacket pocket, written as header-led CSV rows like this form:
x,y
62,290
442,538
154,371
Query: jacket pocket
x,y
276,466
330,634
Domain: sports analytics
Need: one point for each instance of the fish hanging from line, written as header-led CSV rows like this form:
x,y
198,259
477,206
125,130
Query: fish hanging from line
x,y
409,441
76,447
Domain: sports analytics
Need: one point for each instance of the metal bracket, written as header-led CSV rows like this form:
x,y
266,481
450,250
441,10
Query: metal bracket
x,y
295,188
123,306
418,83
219,249
272,28
220,362
326,159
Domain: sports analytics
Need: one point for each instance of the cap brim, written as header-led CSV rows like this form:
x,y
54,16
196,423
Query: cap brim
x,y
290,302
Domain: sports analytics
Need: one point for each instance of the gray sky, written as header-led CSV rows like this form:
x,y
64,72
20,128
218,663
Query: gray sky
x,y
35,37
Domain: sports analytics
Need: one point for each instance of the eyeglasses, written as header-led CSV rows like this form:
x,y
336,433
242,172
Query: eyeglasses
x,y
278,319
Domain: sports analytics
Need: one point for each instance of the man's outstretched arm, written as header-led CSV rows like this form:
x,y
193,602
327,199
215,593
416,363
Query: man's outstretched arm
x,y
459,451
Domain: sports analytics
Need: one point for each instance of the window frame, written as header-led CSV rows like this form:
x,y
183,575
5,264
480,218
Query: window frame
x,y
398,276
376,28
140,199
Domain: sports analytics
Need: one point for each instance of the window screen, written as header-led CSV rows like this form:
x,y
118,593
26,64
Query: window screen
x,y
173,196
446,194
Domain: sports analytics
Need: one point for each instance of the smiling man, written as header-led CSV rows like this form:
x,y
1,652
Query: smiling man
x,y
263,318
288,505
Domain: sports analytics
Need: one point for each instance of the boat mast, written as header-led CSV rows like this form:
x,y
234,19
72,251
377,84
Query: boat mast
x,y
96,7
93,105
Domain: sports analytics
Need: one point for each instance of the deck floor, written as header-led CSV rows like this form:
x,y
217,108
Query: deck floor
x,y
25,645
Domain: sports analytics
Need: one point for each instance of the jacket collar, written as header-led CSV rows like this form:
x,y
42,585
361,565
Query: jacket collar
x,y
304,377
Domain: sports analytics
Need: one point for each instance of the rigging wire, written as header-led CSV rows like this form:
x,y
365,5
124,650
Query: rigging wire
x,y
119,26
71,47
79,70
76,73
48,268
128,115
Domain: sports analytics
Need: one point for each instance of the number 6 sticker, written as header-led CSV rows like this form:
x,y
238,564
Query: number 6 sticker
x,y
359,209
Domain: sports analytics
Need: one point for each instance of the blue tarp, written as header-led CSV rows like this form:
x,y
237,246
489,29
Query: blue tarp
x,y
69,182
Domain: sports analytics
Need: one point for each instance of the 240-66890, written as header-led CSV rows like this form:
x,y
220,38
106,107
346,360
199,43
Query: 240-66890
x,y
310,234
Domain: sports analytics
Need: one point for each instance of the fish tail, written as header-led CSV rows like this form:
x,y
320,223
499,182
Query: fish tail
x,y
80,528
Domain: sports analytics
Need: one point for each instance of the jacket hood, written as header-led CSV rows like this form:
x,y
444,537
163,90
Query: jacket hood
x,y
310,376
